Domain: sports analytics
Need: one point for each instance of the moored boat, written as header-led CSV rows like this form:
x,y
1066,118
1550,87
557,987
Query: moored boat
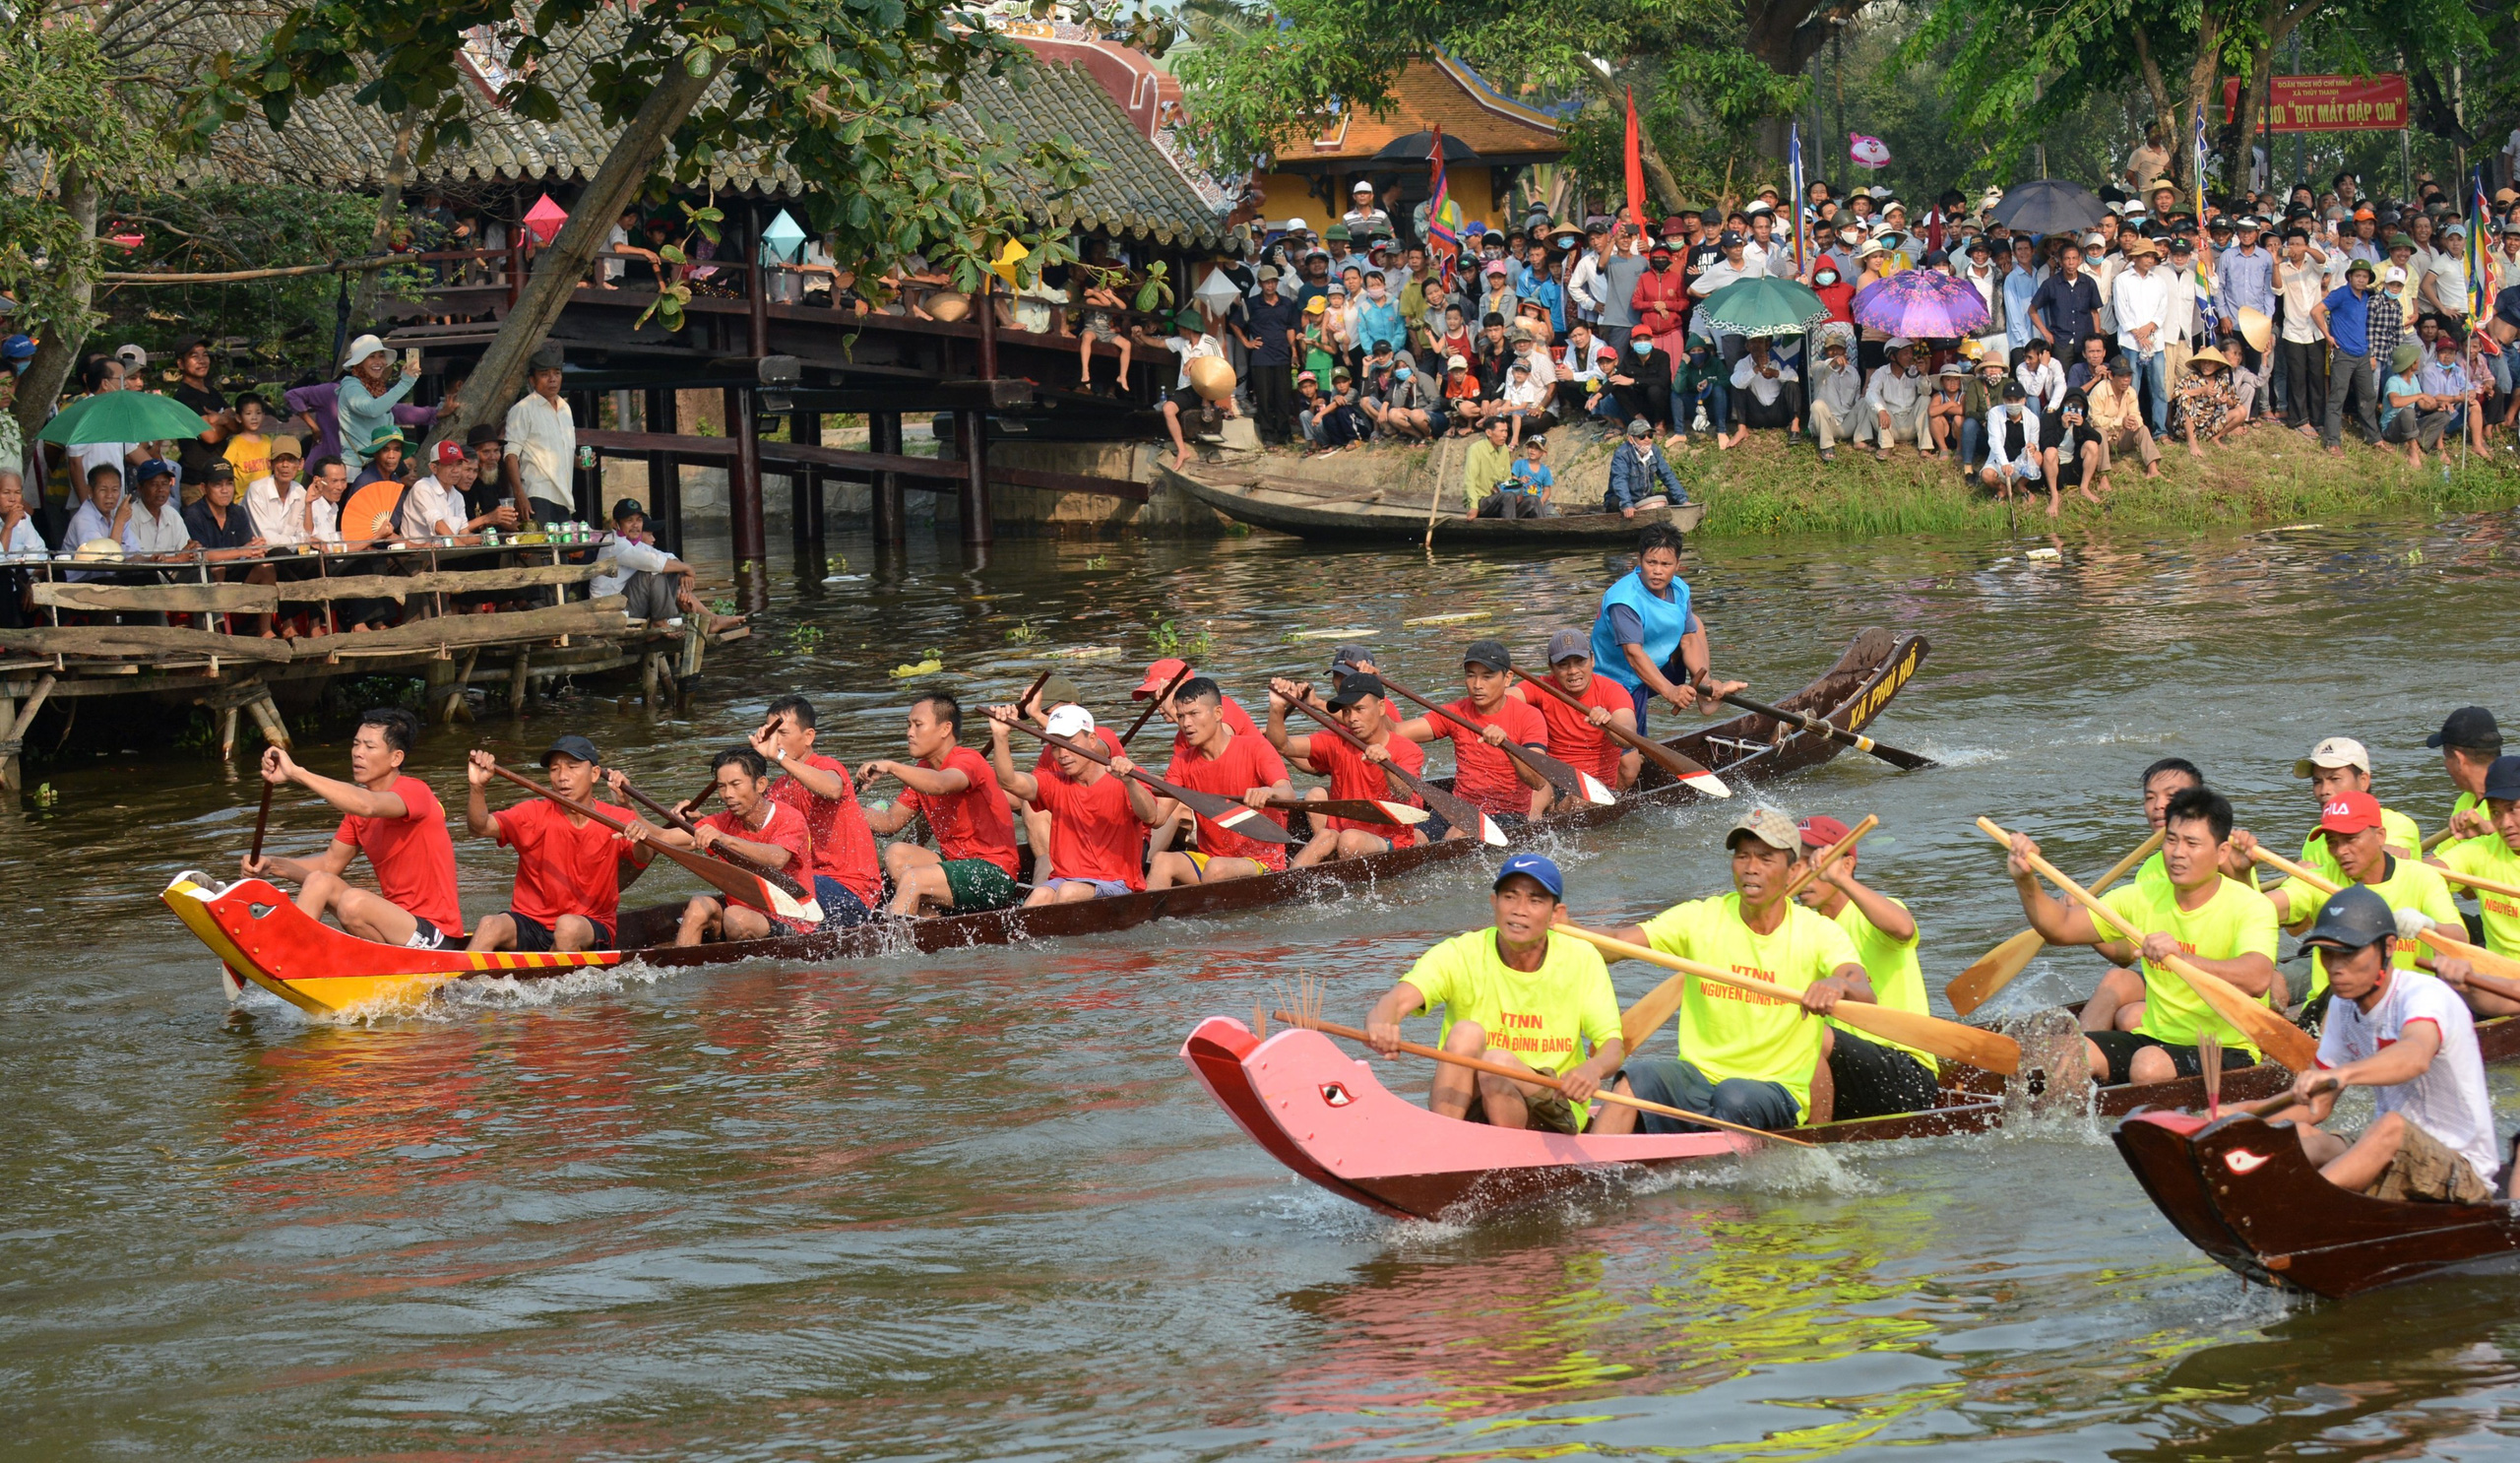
x,y
263,938
1287,500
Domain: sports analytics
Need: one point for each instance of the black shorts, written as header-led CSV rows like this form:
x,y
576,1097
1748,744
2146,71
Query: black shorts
x,y
1187,400
533,937
2121,1046
1875,1081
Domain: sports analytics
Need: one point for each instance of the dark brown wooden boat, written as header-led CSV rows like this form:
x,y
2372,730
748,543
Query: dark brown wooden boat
x,y
1289,502
1744,749
2242,1190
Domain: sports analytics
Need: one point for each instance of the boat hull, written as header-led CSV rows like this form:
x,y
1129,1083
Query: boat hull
x,y
2242,1191
1282,514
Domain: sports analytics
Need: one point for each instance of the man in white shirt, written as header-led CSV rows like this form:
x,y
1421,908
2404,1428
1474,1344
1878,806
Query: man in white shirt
x,y
434,508
1766,393
2142,297
2408,1037
1896,401
657,584
2041,377
1837,389
324,493
1765,254
2180,315
278,503
1191,343
2300,283
542,446
155,526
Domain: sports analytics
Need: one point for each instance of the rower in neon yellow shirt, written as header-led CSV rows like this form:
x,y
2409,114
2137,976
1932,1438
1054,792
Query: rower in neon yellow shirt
x,y
1744,1057
1868,1077
2496,857
2335,767
2353,832
2469,741
1518,995
2221,925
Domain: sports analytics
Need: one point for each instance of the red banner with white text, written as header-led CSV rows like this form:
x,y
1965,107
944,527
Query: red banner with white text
x,y
2336,104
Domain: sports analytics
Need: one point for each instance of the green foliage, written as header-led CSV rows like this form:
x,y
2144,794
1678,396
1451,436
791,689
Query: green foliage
x,y
56,75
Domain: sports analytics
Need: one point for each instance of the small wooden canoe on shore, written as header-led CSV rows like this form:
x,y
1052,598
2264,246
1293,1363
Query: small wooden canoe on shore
x,y
1286,501
2242,1190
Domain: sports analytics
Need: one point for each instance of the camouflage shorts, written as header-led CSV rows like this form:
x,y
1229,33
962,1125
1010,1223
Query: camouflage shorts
x,y
1549,1111
2426,1170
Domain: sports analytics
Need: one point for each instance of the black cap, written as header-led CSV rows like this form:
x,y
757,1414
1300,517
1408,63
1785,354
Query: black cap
x,y
220,467
628,508
2502,780
2470,729
1489,653
2352,918
1356,688
483,433
571,747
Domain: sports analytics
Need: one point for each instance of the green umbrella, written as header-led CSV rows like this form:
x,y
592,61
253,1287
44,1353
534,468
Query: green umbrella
x,y
1765,307
123,417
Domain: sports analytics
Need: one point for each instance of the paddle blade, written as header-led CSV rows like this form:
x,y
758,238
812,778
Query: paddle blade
x,y
1594,792
1647,1016
1991,1051
1401,812
1992,972
1703,781
1250,824
1489,832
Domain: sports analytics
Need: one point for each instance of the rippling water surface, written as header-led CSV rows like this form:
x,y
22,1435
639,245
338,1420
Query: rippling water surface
x,y
973,1206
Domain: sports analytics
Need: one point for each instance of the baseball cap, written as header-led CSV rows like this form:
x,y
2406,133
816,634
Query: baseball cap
x,y
1769,826
1538,869
133,358
1058,690
627,508
1355,688
155,467
572,745
221,468
1820,830
1070,719
2352,918
1158,677
2502,780
1569,643
287,447
448,451
1896,344
2350,813
1489,653
1267,272
1345,659
18,347
2469,729
2335,752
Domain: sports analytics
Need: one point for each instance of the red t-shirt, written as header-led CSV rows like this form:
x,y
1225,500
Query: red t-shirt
x,y
1234,716
413,858
560,870
1483,773
973,823
1248,762
1351,776
1572,739
786,829
844,846
1094,835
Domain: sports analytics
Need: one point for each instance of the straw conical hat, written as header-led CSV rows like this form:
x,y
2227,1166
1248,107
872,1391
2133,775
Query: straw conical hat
x,y
1211,378
2255,328
2208,357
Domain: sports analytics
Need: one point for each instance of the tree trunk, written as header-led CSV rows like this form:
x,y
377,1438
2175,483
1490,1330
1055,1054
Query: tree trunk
x,y
497,381
389,204
50,372
1658,173
2164,110
2202,75
2242,135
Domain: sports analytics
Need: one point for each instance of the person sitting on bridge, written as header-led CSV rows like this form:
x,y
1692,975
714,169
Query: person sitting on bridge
x,y
1192,343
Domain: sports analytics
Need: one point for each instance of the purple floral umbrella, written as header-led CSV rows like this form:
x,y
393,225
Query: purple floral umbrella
x,y
1924,304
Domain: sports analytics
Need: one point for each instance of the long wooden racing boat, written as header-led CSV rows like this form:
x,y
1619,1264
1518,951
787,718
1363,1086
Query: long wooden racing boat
x,y
1287,502
2242,1190
261,938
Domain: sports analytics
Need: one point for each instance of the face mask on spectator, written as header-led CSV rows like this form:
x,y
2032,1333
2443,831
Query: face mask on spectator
x,y
1827,276
1642,345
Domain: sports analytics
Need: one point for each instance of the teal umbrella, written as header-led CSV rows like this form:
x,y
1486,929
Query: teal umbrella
x,y
123,417
1764,307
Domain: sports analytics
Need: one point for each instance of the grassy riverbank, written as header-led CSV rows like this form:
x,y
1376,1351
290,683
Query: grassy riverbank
x,y
2267,476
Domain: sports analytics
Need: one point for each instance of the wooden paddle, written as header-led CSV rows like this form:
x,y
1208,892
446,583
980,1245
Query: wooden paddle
x,y
778,877
1362,809
2274,1105
735,883
1992,1050
1904,761
1452,808
1226,812
1994,969
1523,1074
2209,1061
1566,780
1685,769
1659,1004
2484,960
2490,886
2268,1032
1160,698
262,821
2435,841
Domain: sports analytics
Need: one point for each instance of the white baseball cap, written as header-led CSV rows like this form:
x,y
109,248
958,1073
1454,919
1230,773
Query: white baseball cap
x,y
2336,752
1070,719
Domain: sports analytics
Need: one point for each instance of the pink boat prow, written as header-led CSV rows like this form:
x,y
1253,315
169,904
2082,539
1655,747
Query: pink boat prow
x,y
1324,1115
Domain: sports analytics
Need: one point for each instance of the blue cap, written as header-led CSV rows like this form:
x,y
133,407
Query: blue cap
x,y
1542,870
18,347
2502,780
155,467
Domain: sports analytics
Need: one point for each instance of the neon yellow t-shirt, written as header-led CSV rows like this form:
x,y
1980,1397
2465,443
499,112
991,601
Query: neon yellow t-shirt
x,y
1898,979
2489,858
2237,921
2397,831
1536,1016
2409,886
1727,1033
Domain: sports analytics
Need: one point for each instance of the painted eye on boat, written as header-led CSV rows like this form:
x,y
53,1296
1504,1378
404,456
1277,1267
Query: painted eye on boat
x,y
1336,1093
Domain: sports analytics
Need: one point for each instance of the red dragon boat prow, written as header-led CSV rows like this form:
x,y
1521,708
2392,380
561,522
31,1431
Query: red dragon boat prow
x,y
2242,1190
1325,1115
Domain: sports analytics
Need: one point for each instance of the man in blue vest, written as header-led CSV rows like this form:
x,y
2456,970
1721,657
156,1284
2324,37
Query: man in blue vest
x,y
1646,639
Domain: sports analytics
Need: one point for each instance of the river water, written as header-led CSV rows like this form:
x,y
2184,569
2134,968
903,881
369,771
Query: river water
x,y
975,1207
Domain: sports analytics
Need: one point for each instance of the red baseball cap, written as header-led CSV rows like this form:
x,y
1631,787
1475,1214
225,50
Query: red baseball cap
x,y
1821,831
2350,813
449,451
1158,677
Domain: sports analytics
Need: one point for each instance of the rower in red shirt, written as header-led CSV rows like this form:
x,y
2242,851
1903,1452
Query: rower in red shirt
x,y
568,865
975,865
1359,706
1499,786
1575,737
754,826
395,821
1058,691
1161,673
847,877
1099,816
1218,759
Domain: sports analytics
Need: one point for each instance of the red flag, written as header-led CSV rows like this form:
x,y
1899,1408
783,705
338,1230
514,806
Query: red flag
x,y
1635,170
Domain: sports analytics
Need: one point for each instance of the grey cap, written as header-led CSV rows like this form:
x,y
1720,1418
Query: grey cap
x,y
1347,657
1569,643
547,358
2352,918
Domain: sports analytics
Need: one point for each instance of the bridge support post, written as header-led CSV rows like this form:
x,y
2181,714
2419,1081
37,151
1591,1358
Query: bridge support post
x,y
665,475
971,443
884,435
744,485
